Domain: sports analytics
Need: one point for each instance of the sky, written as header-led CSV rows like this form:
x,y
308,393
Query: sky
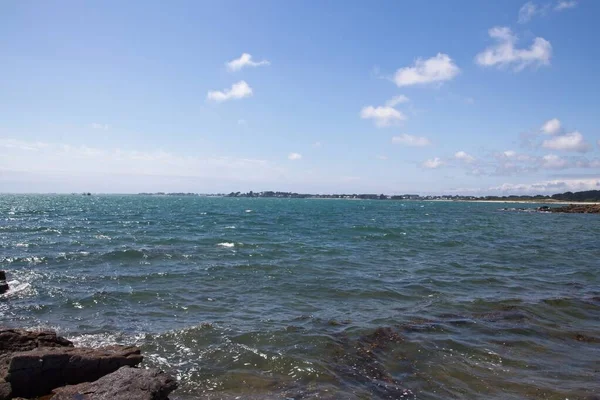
x,y
429,97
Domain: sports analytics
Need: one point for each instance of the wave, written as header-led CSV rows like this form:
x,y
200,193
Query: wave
x,y
124,255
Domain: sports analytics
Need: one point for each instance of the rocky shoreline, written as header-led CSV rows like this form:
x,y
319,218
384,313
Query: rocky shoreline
x,y
573,209
43,365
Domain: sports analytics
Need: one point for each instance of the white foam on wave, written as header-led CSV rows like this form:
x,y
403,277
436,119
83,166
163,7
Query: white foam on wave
x,y
226,244
248,211
30,260
103,237
18,289
105,339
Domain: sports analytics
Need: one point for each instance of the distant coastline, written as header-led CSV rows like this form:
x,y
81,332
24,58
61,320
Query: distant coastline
x,y
557,202
584,197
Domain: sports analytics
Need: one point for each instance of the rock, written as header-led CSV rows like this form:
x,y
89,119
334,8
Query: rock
x,y
3,284
124,384
362,362
5,390
36,372
12,340
577,208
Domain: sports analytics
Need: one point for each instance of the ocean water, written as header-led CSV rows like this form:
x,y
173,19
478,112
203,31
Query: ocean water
x,y
328,299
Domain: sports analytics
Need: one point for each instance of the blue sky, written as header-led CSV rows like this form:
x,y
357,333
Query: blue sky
x,y
330,96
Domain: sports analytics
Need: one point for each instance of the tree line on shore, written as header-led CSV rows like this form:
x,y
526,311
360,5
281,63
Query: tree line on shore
x,y
584,196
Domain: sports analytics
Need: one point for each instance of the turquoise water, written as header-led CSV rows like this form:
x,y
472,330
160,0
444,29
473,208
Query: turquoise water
x,y
330,299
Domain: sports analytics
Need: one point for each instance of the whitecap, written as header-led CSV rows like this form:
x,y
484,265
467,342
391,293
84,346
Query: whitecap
x,y
104,339
225,244
103,237
34,260
248,211
16,288
22,245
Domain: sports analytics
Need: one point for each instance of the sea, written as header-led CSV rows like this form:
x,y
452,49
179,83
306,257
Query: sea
x,y
258,298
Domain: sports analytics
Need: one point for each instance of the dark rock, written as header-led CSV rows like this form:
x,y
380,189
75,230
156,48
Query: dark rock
x,y
577,209
124,384
36,372
361,361
5,390
3,285
12,340
585,338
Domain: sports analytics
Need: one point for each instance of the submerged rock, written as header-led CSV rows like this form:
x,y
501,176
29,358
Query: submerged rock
x,y
12,340
124,384
361,361
36,372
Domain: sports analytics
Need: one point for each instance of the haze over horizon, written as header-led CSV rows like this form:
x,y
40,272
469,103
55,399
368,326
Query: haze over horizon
x,y
208,97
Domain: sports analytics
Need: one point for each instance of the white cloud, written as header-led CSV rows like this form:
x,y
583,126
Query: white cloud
x,y
381,157
504,53
530,9
435,69
433,163
554,161
237,91
563,5
513,155
103,127
584,163
463,156
397,100
294,156
551,186
552,126
383,116
80,160
22,145
245,60
572,141
527,11
410,140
